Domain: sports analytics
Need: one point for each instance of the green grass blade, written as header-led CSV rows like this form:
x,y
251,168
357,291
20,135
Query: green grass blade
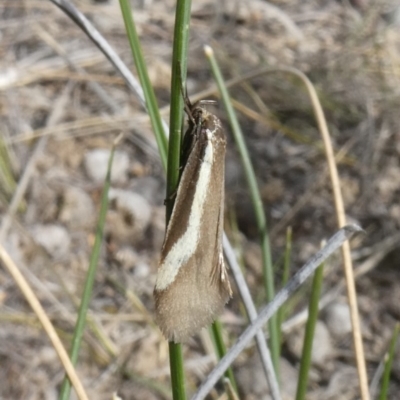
x,y
177,373
256,200
287,257
229,390
151,102
220,349
172,164
179,63
7,181
309,334
285,277
87,292
388,364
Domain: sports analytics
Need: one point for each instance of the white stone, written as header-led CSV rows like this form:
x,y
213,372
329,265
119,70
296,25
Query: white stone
x,y
322,348
53,238
96,164
77,208
337,318
129,215
251,379
133,202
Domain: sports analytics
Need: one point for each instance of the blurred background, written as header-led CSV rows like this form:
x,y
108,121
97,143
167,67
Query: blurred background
x,y
61,106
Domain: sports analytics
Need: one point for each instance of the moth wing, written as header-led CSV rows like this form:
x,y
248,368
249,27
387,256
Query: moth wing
x,y
219,273
199,288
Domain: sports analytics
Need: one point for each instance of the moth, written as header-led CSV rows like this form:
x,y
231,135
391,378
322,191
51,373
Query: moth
x,y
192,285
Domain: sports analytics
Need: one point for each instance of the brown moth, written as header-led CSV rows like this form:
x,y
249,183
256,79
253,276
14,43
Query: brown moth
x,y
192,284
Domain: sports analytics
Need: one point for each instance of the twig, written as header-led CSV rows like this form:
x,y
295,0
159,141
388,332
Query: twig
x,y
94,86
299,278
252,314
105,48
341,217
340,212
379,252
19,193
44,320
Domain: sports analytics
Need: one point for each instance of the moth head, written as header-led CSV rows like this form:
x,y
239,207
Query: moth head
x,y
197,112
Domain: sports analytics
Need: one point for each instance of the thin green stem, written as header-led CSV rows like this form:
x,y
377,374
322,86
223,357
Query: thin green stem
x,y
309,334
256,200
220,349
388,364
177,374
151,102
285,277
87,292
179,63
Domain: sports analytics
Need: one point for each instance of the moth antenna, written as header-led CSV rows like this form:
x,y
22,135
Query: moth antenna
x,y
206,102
188,106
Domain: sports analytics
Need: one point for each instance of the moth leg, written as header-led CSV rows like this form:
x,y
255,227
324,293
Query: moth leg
x,y
218,273
218,270
171,197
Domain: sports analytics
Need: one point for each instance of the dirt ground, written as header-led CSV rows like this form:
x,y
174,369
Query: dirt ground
x,y
61,106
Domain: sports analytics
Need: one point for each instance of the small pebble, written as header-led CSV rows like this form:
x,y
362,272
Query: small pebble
x,y
127,257
337,319
130,215
322,345
251,379
77,208
53,238
96,164
343,381
136,204
142,270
